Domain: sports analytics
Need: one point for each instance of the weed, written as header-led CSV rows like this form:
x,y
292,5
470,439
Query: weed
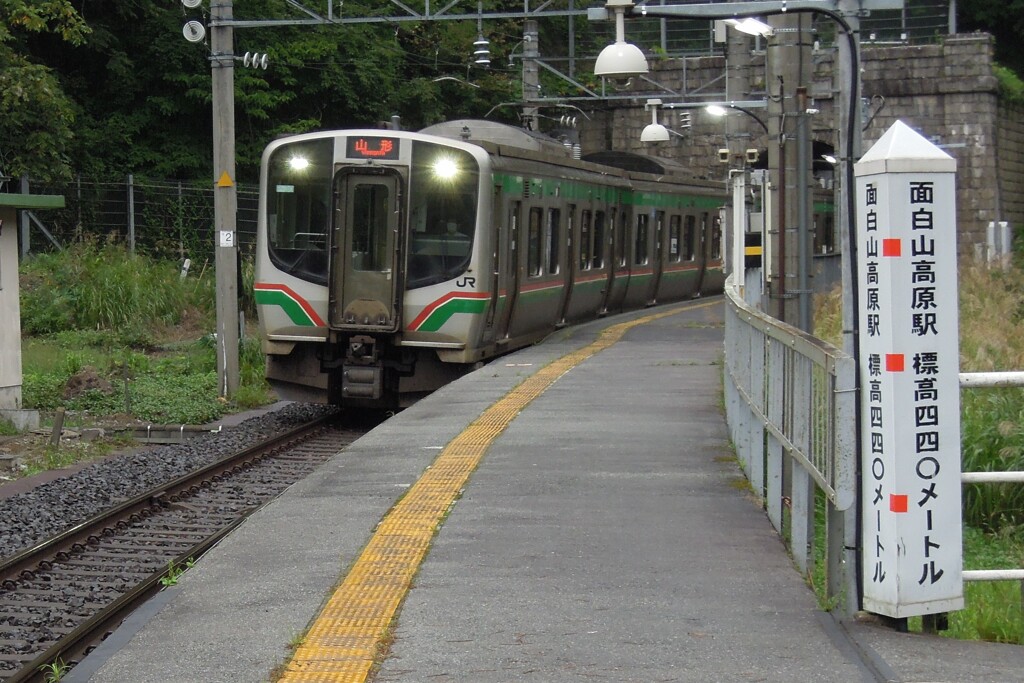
x,y
55,671
174,572
7,427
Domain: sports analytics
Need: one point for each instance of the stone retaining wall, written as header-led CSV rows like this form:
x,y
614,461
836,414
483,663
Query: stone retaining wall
x,y
947,92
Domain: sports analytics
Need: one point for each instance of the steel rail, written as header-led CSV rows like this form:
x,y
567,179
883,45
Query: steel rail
x,y
15,565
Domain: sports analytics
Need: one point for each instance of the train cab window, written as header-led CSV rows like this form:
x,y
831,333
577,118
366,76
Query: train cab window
x,y
551,238
675,234
534,242
585,237
640,240
298,208
370,212
443,189
690,239
599,239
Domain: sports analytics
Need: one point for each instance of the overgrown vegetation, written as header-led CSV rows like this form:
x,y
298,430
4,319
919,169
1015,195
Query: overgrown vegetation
x,y
992,439
108,333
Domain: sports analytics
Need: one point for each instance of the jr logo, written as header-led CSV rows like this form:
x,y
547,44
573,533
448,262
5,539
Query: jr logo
x,y
466,282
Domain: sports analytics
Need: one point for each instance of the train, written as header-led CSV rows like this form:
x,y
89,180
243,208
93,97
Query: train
x,y
390,262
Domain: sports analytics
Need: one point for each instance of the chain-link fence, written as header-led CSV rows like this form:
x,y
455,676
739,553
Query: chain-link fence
x,y
163,219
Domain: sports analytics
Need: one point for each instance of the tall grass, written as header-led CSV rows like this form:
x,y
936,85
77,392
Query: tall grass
x,y
137,324
91,286
992,420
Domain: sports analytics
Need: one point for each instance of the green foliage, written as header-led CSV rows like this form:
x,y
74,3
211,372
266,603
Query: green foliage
x,y
174,572
7,427
993,609
55,671
94,287
35,115
1004,20
992,436
125,305
1011,87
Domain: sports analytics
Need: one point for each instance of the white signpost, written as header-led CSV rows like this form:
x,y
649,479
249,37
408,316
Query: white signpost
x,y
909,376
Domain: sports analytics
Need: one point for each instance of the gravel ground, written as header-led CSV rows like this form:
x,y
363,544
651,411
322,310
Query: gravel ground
x,y
51,507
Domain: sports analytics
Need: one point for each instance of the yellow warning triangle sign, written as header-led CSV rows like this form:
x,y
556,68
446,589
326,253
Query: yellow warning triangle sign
x,y
225,180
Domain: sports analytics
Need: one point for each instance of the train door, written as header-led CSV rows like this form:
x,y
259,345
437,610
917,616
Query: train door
x,y
619,274
367,216
610,249
571,240
703,245
657,256
511,267
714,277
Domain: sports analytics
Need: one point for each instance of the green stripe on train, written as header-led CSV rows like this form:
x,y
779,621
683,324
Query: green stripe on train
x,y
445,311
291,307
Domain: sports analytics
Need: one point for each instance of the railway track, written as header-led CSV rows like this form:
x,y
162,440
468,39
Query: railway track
x,y
61,597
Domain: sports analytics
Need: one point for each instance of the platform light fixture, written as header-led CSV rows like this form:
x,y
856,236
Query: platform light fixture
x,y
654,131
750,26
723,109
622,59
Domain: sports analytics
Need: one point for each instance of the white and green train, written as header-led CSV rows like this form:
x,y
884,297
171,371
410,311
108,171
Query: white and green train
x,y
390,262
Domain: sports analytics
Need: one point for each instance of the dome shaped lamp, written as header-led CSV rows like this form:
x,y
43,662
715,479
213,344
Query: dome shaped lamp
x,y
622,59
654,131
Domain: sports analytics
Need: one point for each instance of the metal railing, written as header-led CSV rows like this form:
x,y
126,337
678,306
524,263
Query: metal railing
x,y
993,380
790,405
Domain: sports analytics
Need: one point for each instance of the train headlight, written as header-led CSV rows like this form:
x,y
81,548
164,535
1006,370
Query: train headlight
x,y
445,168
298,163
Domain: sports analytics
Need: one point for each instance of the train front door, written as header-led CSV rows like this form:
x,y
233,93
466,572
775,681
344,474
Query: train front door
x,y
367,215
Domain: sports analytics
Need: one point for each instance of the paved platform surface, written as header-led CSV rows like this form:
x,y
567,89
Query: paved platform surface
x,y
605,536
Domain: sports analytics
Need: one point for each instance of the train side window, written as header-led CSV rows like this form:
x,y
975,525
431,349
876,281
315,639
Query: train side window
x,y
640,240
690,239
599,239
675,234
533,242
551,234
585,219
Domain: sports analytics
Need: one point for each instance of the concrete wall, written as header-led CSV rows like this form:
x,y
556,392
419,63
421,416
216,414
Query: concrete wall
x,y
946,91
10,312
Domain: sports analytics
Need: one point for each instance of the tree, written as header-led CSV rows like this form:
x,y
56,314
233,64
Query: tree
x,y
35,114
1004,20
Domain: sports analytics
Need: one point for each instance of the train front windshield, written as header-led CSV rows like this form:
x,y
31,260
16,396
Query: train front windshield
x,y
442,196
299,208
442,213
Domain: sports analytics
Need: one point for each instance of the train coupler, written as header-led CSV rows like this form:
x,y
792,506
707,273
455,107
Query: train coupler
x,y
362,375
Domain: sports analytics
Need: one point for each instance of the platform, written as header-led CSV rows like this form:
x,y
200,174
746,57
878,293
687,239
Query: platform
x,y
604,533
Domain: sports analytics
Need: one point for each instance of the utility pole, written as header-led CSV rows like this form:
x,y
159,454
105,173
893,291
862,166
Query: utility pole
x,y
789,71
225,195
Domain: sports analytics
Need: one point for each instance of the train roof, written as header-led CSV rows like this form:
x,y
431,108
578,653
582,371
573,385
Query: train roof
x,y
478,130
641,163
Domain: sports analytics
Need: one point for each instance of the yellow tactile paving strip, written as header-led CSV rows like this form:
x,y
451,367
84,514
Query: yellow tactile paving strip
x,y
353,629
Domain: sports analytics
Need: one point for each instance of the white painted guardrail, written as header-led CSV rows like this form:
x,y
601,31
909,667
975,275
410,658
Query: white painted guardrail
x,y
988,380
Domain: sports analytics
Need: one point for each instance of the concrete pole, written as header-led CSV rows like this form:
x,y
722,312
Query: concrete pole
x,y
531,73
225,196
737,87
848,90
789,67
